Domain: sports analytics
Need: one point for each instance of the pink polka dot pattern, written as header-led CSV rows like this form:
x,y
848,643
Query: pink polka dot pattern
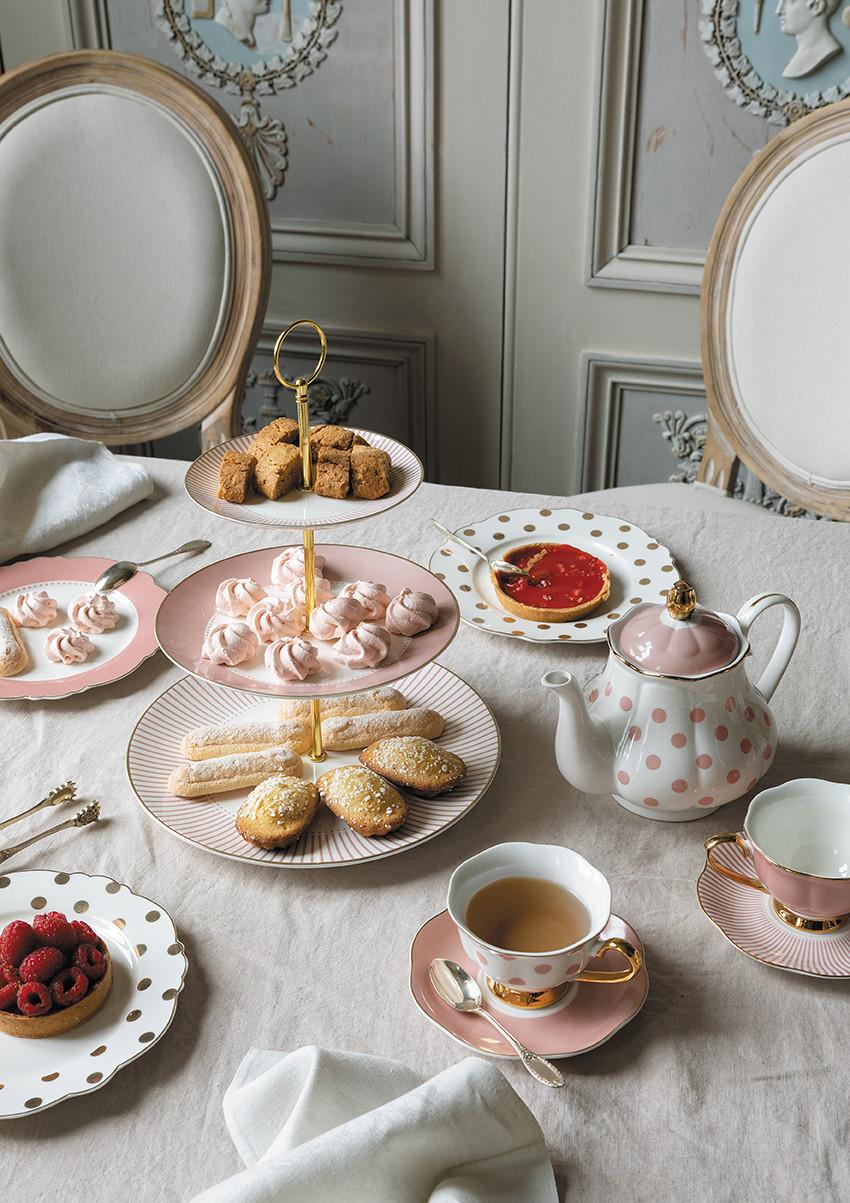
x,y
516,981
704,761
507,957
721,733
679,786
659,715
746,746
733,776
594,694
626,703
481,958
653,762
768,752
753,783
749,714
697,715
634,732
623,777
608,689
573,969
705,801
650,801
542,968
730,704
678,740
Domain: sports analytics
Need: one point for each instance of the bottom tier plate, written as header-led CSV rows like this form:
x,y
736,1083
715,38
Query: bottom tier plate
x,y
154,750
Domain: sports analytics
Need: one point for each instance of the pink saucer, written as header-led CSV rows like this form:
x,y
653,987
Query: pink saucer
x,y
746,918
117,652
593,1015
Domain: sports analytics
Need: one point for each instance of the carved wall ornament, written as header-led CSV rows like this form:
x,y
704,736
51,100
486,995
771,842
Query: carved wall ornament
x,y
271,52
331,401
778,63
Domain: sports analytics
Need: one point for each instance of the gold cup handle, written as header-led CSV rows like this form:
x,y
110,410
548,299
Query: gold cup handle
x,y
731,837
622,975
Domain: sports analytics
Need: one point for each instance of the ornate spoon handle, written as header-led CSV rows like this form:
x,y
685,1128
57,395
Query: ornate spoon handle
x,y
62,793
541,1069
88,814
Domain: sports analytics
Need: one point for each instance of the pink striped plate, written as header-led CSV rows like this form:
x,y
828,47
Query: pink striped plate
x,y
299,509
747,919
154,750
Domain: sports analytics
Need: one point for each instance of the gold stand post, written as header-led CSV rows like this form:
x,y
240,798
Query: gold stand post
x,y
317,752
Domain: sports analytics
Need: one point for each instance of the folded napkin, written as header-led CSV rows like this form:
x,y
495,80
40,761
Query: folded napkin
x,y
53,488
333,1127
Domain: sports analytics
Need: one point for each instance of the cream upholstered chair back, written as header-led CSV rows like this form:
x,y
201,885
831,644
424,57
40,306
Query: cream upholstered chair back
x,y
775,306
134,252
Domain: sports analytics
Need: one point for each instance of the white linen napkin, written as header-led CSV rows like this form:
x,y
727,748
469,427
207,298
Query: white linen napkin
x,y
334,1127
54,488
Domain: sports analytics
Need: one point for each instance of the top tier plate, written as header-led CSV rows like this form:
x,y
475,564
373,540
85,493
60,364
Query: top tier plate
x,y
300,509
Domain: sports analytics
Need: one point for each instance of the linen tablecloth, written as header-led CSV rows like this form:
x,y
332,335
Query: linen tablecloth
x,y
729,1085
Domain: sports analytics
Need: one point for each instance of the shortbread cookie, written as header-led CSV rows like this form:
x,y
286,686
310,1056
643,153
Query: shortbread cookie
x,y
240,770
277,812
278,471
235,473
333,473
415,763
13,652
281,430
222,739
335,438
371,472
342,732
362,799
385,698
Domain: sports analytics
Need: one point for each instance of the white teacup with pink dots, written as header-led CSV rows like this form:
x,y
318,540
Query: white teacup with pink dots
x,y
541,978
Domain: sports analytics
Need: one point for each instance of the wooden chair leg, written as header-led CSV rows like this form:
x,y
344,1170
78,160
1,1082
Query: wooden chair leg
x,y
720,464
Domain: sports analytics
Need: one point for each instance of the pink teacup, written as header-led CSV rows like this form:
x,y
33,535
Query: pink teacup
x,y
798,839
538,979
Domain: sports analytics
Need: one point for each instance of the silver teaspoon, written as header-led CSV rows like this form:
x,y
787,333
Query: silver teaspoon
x,y
493,565
458,990
122,571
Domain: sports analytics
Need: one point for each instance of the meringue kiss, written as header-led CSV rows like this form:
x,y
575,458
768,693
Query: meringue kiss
x,y
410,613
229,643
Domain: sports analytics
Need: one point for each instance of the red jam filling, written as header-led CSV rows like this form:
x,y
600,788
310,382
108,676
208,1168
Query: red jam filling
x,y
561,577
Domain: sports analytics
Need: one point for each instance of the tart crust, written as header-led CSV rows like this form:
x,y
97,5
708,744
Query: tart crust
x,y
548,613
54,1023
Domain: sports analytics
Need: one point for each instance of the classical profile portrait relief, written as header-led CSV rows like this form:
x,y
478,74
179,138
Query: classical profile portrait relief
x,y
808,22
238,17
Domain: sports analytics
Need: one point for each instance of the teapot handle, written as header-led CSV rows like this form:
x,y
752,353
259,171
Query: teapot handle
x,y
788,636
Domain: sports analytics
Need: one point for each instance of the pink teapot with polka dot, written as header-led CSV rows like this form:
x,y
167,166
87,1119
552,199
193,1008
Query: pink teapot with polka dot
x,y
673,726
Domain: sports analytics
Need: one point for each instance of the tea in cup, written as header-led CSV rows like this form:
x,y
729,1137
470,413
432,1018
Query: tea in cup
x,y
532,915
797,836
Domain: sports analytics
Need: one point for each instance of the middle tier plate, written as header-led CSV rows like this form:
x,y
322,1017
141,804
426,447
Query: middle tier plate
x,y
190,607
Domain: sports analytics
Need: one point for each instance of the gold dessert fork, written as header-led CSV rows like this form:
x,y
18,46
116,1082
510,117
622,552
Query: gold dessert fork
x,y
88,814
62,793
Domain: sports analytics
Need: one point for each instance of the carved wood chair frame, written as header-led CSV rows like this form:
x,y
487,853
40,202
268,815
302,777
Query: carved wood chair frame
x,y
213,397
731,439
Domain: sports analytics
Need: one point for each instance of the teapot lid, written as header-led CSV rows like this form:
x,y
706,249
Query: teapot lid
x,y
678,638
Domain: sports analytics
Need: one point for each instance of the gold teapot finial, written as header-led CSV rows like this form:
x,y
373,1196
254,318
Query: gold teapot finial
x,y
681,600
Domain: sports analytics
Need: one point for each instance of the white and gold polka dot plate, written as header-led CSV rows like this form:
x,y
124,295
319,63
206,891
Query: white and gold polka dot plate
x,y
641,569
148,964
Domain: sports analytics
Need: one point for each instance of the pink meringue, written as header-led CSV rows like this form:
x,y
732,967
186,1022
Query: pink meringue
x,y
269,619
67,646
363,647
336,617
373,597
410,613
34,609
294,595
289,566
236,597
93,612
291,659
229,643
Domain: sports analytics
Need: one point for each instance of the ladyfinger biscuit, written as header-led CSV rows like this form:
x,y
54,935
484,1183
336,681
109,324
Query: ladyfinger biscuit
x,y
221,739
343,732
385,698
241,770
362,799
13,651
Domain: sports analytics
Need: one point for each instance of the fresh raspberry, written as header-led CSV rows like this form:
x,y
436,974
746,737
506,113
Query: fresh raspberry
x,y
8,995
9,974
91,960
33,998
69,986
16,940
85,934
41,965
53,930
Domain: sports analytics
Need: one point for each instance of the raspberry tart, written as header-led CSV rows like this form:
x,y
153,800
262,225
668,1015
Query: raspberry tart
x,y
54,975
564,582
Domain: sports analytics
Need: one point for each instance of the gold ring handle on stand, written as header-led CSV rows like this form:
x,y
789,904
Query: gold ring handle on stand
x,y
300,386
731,837
619,975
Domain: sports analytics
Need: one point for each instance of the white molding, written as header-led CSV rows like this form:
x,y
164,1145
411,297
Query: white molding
x,y
412,356
615,262
511,242
407,242
604,379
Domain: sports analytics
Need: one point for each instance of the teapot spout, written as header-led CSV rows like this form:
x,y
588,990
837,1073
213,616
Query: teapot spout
x,y
582,748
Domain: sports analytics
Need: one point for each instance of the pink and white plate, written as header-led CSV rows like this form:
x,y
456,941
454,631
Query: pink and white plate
x,y
747,919
117,652
471,732
300,509
190,608
587,1016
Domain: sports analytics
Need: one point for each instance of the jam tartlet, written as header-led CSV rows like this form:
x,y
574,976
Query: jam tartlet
x,y
54,975
564,582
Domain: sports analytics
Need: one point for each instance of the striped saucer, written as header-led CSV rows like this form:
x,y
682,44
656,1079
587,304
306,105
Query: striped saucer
x,y
746,918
